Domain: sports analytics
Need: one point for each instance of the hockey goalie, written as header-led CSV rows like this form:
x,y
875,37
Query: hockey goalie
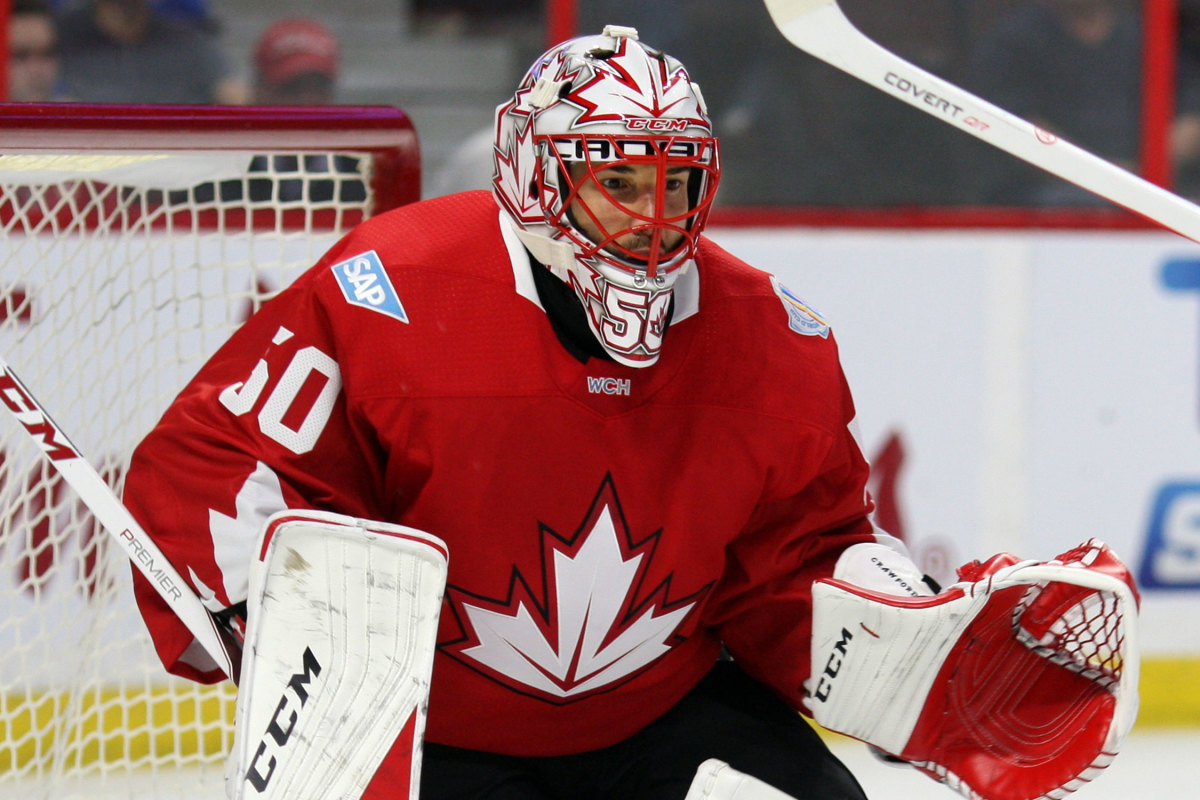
x,y
543,492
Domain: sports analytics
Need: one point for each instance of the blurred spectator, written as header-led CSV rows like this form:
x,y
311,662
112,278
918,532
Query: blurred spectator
x,y
295,63
1072,67
33,60
1185,135
471,17
122,51
667,23
194,11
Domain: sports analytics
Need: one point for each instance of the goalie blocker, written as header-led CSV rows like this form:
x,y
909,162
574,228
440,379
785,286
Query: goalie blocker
x,y
341,628
1019,682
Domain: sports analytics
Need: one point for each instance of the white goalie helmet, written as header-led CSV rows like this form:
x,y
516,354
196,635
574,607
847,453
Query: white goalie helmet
x,y
606,164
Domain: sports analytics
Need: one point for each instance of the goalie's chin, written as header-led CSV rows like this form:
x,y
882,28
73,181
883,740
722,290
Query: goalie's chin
x,y
636,253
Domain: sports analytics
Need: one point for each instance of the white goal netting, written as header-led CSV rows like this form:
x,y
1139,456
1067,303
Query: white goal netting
x,y
134,242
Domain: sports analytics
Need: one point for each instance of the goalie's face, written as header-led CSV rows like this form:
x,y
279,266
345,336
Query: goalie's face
x,y
633,204
630,210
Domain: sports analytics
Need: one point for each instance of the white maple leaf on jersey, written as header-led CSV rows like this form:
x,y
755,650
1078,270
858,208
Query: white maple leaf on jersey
x,y
640,90
234,538
588,639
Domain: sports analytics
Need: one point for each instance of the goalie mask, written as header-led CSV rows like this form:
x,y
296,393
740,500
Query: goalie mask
x,y
606,165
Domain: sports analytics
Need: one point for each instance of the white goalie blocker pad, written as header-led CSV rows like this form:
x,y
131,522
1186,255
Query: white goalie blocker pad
x,y
341,628
1019,683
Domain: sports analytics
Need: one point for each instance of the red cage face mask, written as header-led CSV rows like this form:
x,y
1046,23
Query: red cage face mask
x,y
634,204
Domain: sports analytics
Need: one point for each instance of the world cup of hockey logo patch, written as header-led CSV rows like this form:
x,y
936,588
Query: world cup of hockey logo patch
x,y
616,386
364,282
802,318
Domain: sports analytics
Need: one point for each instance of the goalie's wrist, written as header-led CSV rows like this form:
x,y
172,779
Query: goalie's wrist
x,y
233,620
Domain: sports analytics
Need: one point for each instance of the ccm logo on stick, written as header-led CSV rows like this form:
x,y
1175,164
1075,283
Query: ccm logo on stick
x,y
283,722
52,441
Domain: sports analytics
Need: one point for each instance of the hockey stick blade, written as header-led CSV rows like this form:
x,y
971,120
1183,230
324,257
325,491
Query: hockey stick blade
x,y
819,28
103,502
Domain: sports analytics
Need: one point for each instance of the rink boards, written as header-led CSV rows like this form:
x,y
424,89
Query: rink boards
x,y
1044,388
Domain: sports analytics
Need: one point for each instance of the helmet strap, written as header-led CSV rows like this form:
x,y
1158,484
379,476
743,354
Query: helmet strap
x,y
559,256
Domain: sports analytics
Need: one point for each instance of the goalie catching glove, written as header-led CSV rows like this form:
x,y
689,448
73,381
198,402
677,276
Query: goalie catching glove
x,y
1017,683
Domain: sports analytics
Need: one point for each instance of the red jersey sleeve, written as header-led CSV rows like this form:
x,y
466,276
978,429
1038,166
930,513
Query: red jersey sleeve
x,y
262,427
762,608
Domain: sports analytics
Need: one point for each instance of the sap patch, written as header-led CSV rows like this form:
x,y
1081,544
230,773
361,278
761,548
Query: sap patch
x,y
364,282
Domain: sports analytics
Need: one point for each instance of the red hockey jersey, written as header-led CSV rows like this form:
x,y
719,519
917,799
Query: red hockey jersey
x,y
609,528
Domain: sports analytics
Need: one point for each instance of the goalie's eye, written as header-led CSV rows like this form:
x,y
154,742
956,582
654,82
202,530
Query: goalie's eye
x,y
637,186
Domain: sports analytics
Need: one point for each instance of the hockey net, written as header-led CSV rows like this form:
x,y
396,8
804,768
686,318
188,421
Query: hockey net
x,y
135,240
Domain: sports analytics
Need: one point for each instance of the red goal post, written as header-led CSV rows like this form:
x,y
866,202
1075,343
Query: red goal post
x,y
135,239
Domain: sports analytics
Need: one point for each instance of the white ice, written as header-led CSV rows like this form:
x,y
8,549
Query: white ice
x,y
1157,764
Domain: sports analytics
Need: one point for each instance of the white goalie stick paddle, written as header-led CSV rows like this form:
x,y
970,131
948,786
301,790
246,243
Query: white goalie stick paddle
x,y
103,502
819,28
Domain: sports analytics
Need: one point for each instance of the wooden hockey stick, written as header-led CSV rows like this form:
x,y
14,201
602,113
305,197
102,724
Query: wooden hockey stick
x,y
103,502
819,28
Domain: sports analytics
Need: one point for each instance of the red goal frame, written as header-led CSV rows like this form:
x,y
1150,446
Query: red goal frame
x,y
383,133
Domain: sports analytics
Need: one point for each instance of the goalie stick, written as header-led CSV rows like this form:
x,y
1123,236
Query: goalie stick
x,y
103,502
819,28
